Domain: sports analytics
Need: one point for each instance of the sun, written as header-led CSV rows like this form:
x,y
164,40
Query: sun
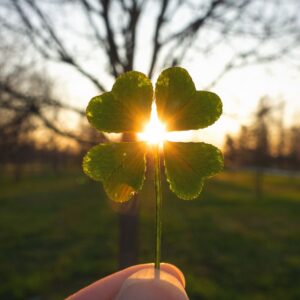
x,y
155,131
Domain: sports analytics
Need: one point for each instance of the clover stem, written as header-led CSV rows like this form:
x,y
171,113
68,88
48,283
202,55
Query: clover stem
x,y
158,210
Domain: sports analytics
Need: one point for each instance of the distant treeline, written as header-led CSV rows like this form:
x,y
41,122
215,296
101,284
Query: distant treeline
x,y
26,153
265,142
21,159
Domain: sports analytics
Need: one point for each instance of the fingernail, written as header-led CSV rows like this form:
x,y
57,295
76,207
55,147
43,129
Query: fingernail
x,y
173,270
149,283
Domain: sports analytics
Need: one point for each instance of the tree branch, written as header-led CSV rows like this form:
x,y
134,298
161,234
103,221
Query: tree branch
x,y
63,133
243,59
4,87
112,52
58,46
88,12
156,43
194,26
130,34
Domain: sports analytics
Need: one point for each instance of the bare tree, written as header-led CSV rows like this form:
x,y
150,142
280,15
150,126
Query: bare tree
x,y
26,95
253,31
113,35
100,39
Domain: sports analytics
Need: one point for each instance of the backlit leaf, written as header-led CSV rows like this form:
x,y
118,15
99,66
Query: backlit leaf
x,y
188,164
119,166
126,108
180,106
173,88
201,110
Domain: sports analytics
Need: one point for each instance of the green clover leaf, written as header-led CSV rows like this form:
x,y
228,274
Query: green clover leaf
x,y
180,105
188,164
125,108
121,166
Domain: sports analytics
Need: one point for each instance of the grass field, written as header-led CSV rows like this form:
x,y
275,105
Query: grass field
x,y
59,233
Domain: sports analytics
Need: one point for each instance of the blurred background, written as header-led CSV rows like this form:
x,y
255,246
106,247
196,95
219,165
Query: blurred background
x,y
59,232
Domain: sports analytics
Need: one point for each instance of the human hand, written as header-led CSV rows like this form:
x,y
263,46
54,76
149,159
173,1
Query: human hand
x,y
137,282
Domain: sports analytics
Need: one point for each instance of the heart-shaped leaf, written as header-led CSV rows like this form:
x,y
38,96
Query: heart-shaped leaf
x,y
200,111
126,108
173,88
188,164
120,166
180,105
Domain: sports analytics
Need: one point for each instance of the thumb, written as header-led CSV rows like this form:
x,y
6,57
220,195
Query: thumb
x,y
150,283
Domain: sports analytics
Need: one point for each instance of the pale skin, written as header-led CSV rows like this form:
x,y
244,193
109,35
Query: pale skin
x,y
137,282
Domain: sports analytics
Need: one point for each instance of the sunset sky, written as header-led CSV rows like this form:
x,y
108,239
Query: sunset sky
x,y
240,89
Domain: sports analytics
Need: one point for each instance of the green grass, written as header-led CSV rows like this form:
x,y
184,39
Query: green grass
x,y
59,233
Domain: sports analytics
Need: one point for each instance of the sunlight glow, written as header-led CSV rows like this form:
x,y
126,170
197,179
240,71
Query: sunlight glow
x,y
155,131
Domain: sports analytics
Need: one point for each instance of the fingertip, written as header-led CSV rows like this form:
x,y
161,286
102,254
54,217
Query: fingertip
x,y
175,271
150,283
108,287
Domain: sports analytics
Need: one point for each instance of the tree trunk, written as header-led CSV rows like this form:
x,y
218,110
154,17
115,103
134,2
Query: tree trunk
x,y
128,233
128,225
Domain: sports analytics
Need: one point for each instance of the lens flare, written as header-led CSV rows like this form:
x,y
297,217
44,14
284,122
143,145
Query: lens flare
x,y
155,131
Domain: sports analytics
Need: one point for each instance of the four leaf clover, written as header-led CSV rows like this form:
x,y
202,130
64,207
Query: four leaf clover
x,y
121,166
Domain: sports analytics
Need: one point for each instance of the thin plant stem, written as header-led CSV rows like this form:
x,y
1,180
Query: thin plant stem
x,y
158,210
